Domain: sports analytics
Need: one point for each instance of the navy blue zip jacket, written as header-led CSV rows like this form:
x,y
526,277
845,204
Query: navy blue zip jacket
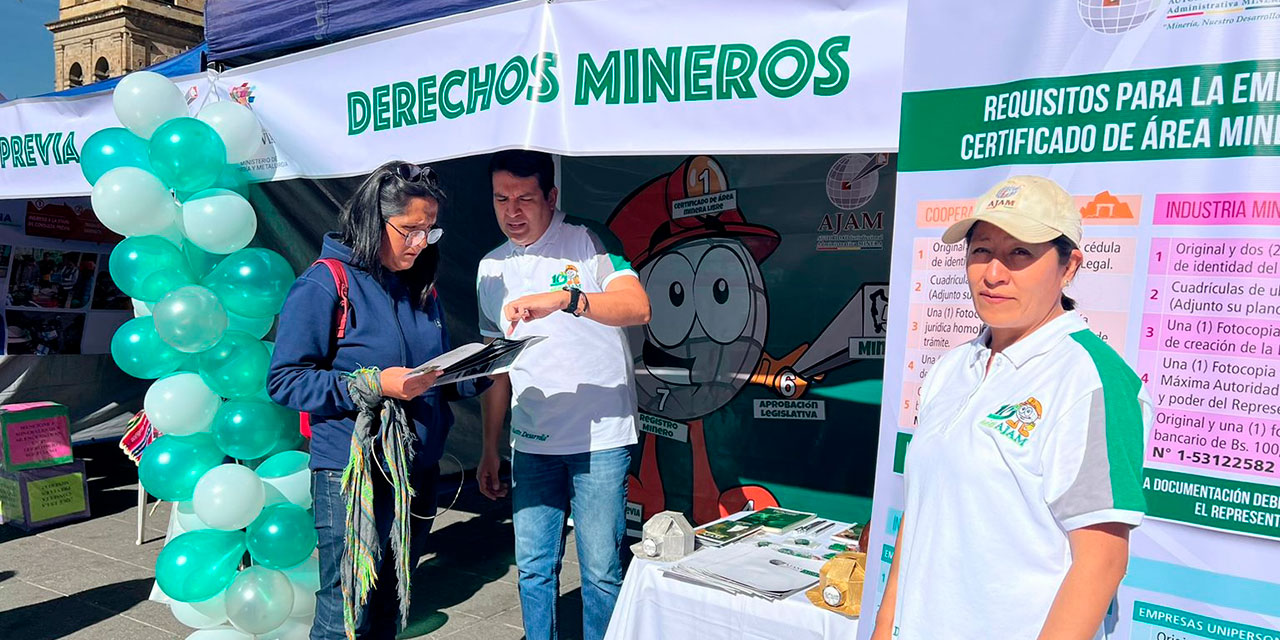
x,y
384,329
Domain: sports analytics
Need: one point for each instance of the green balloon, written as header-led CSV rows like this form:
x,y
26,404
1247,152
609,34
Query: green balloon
x,y
172,465
199,565
256,327
233,177
290,443
191,319
251,282
201,262
283,464
282,536
235,367
139,351
187,154
110,148
148,267
248,429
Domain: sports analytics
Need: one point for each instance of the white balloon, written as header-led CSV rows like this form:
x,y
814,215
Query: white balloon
x,y
273,495
187,519
219,221
140,308
296,487
259,600
305,579
133,202
144,100
292,629
228,497
202,615
173,233
181,404
238,127
220,633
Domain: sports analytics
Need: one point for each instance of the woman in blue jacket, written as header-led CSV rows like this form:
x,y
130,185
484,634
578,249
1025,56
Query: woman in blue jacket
x,y
378,431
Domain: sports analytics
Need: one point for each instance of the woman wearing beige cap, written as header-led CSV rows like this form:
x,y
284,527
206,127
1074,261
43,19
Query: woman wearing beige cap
x,y
1024,476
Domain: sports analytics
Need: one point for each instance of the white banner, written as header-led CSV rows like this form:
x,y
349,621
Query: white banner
x,y
41,139
1161,118
583,77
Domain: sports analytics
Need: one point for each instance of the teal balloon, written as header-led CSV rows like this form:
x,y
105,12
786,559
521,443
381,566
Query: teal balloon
x,y
199,565
162,283
139,351
256,327
288,473
148,267
233,177
172,465
110,148
291,443
284,535
199,261
191,319
284,464
187,154
251,282
235,367
248,429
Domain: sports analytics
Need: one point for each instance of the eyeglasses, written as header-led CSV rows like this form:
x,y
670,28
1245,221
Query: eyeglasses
x,y
413,173
418,236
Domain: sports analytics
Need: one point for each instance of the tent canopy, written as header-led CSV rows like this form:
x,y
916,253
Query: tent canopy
x,y
183,64
244,31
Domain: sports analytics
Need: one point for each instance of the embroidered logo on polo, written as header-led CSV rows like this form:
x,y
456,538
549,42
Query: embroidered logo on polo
x,y
1015,421
567,278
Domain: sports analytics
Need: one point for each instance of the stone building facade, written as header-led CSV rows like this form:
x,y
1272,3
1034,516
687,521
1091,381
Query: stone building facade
x,y
98,39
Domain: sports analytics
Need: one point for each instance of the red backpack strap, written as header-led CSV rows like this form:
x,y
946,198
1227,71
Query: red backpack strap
x,y
339,274
340,279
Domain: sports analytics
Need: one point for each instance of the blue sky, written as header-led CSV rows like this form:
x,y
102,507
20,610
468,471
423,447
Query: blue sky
x,y
26,47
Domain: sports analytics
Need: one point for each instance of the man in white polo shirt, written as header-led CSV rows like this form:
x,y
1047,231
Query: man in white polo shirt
x,y
572,396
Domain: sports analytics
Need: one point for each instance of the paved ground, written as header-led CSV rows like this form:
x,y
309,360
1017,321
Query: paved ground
x,y
89,580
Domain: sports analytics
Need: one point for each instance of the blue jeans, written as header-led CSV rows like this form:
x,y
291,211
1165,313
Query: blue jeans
x,y
380,617
544,489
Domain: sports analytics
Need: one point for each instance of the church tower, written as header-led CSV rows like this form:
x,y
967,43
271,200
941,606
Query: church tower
x,y
98,39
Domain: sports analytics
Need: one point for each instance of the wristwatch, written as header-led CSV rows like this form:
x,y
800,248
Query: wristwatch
x,y
574,295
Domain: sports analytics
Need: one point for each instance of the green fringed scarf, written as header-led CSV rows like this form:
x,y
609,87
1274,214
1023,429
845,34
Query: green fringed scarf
x,y
381,421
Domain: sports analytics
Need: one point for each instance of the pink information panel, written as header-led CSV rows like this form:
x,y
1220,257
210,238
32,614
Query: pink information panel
x,y
1209,340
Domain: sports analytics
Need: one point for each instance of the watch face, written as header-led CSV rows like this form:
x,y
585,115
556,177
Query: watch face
x,y
832,596
650,547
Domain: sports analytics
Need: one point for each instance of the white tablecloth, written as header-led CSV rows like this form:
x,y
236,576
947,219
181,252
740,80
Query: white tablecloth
x,y
654,607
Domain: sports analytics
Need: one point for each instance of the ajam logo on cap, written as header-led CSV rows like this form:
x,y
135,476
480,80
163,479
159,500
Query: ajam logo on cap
x,y
1004,197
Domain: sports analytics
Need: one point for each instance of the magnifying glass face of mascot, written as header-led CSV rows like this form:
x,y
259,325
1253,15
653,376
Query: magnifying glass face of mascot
x,y
706,334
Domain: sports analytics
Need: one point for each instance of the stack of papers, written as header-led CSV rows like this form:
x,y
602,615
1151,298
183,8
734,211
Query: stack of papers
x,y
476,359
748,569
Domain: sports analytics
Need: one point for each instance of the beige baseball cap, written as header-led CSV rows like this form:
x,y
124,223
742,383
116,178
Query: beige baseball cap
x,y
1029,208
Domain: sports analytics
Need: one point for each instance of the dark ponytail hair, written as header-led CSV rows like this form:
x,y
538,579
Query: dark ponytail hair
x,y
362,223
1064,246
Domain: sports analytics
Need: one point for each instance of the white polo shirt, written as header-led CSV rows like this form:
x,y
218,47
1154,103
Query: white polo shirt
x,y
1002,465
575,391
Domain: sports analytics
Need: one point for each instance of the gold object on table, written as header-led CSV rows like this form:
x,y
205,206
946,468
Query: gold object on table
x,y
840,584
